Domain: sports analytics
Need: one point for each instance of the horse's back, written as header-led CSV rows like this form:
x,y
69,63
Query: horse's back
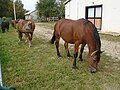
x,y
74,30
63,28
68,24
22,23
69,30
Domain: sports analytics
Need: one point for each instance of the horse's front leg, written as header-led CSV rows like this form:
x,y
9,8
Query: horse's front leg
x,y
81,51
67,50
20,36
29,38
75,54
57,46
26,37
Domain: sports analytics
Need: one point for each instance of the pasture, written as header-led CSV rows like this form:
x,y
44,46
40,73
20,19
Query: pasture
x,y
39,68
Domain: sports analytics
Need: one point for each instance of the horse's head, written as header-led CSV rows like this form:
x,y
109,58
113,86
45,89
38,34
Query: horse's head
x,y
14,22
94,60
29,24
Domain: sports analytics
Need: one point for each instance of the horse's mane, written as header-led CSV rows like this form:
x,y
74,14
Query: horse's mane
x,y
94,31
97,38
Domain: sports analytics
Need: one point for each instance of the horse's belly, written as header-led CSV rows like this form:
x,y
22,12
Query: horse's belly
x,y
68,40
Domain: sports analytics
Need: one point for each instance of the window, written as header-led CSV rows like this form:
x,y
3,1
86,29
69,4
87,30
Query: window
x,y
94,14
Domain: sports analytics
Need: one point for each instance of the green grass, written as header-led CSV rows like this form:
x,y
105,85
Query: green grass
x,y
39,68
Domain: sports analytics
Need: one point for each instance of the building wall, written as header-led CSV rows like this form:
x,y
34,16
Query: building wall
x,y
27,16
75,9
33,15
71,10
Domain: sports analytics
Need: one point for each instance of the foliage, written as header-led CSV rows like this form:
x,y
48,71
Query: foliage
x,y
50,8
6,8
61,8
20,11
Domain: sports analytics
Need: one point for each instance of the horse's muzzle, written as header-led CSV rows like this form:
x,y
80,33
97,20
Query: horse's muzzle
x,y
92,70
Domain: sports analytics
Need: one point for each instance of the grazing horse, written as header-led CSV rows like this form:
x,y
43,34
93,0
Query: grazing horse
x,y
4,26
27,27
78,32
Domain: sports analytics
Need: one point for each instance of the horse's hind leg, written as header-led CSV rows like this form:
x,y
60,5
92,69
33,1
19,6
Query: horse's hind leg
x,y
81,51
57,46
67,50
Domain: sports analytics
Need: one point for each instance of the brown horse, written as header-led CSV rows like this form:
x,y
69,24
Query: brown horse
x,y
79,32
27,27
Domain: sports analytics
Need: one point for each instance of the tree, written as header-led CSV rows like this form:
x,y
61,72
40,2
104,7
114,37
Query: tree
x,y
61,8
20,11
50,8
6,8
45,7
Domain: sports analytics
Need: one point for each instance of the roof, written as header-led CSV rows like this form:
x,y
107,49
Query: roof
x,y
28,13
67,1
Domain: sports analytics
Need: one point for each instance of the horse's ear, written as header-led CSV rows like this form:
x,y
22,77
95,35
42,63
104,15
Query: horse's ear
x,y
101,51
94,53
29,22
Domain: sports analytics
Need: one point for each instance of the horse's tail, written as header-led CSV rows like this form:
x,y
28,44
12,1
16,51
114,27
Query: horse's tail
x,y
53,38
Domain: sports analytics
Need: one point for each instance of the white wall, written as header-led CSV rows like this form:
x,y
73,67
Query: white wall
x,y
110,14
33,15
71,9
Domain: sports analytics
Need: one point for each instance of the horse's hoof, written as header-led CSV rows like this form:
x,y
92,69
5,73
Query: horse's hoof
x,y
70,58
81,60
69,55
26,41
74,67
59,55
30,46
93,70
19,41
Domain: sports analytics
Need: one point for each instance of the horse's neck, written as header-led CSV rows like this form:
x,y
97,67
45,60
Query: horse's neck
x,y
94,42
93,46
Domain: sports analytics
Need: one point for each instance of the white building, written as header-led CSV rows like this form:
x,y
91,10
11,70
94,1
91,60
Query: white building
x,y
105,14
32,15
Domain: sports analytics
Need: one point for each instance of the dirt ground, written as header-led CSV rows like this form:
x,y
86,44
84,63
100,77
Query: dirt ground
x,y
110,48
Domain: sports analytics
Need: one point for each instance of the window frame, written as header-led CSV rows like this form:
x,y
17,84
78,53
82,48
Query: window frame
x,y
94,17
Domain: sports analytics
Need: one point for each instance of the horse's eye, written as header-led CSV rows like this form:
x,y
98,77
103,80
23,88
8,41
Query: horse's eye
x,y
94,61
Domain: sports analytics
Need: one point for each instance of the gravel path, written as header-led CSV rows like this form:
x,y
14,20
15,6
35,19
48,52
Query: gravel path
x,y
110,48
